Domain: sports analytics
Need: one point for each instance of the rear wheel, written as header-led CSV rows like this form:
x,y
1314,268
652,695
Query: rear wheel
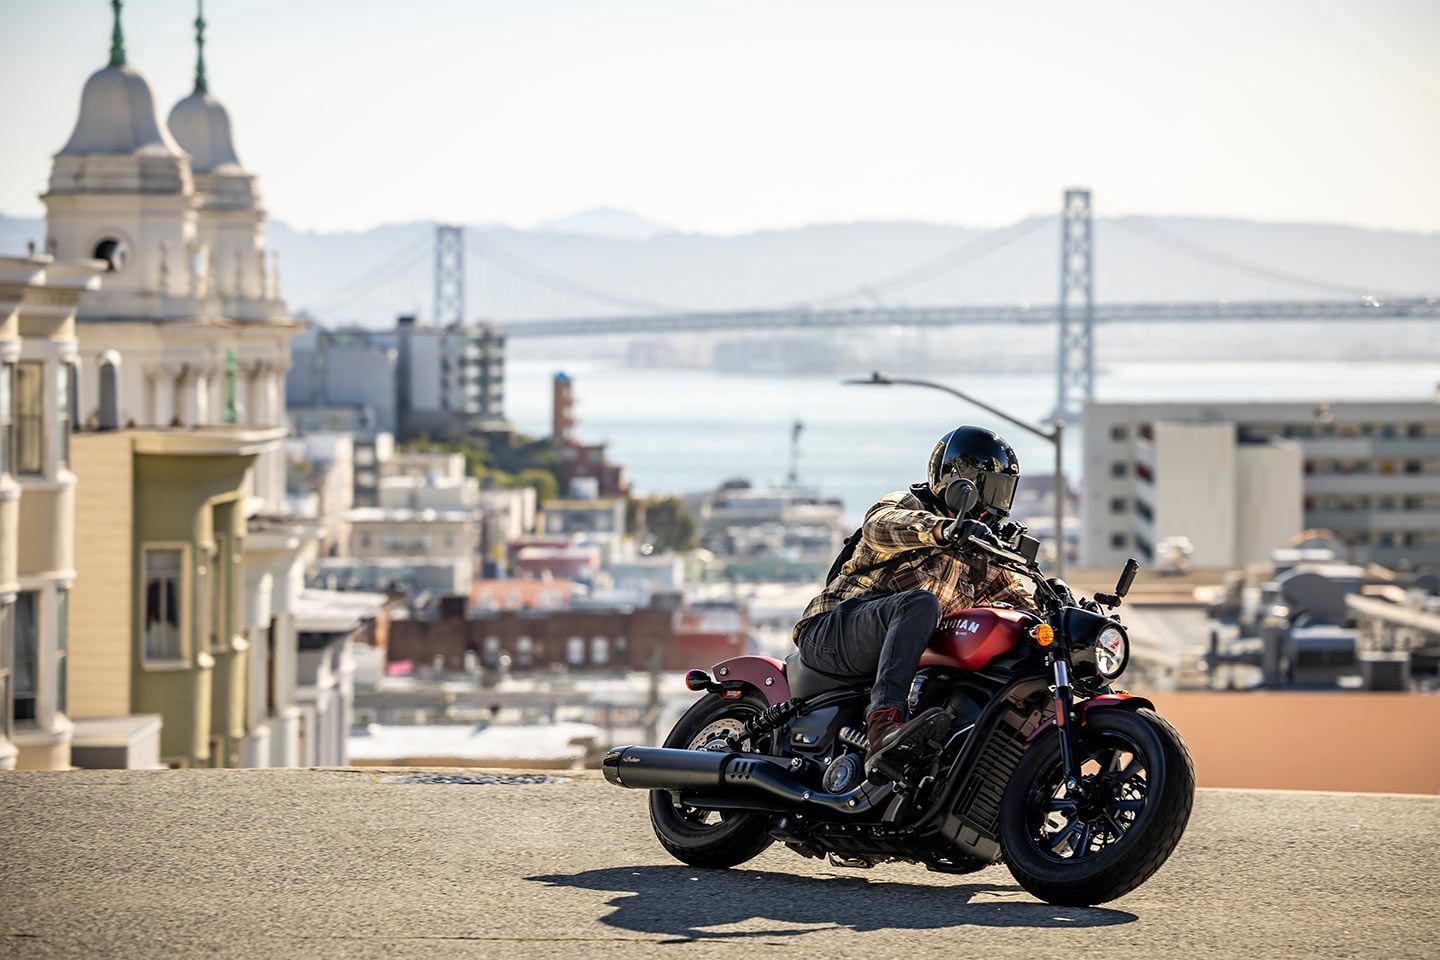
x,y
709,838
1102,840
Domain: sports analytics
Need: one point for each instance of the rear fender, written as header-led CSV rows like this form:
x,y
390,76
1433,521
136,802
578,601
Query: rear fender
x,y
765,674
1106,701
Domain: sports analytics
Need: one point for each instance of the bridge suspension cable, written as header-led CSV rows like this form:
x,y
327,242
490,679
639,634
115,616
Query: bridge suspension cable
x,y
1164,237
967,253
384,272
519,266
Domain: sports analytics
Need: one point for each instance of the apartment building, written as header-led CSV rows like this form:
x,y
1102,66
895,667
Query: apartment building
x,y
38,358
1368,470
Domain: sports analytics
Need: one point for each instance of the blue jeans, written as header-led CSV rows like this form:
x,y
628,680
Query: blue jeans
x,y
881,636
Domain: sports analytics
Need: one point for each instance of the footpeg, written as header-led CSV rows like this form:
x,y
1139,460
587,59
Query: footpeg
x,y
856,863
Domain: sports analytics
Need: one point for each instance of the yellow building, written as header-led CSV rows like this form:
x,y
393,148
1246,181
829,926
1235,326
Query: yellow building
x,y
157,616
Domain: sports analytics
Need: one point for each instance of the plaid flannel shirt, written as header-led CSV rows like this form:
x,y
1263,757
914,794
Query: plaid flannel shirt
x,y
901,523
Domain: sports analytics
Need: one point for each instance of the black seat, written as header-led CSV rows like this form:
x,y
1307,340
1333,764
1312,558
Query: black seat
x,y
807,681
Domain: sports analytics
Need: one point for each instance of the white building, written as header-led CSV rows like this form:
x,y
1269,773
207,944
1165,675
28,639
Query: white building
x,y
449,378
189,301
331,624
1234,501
1369,470
187,330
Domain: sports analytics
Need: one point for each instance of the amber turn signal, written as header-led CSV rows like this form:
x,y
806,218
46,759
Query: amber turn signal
x,y
1043,634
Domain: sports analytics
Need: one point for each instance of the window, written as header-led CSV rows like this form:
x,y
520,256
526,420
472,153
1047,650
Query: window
x,y
1119,469
27,654
1118,504
524,651
113,252
1119,433
29,423
490,654
68,387
1118,541
62,648
599,651
163,583
7,643
575,651
7,376
221,568
272,665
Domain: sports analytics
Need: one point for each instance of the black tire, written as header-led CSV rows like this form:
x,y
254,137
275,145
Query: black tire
x,y
1140,820
736,837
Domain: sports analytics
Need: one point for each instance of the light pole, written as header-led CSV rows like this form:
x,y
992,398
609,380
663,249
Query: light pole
x,y
1055,435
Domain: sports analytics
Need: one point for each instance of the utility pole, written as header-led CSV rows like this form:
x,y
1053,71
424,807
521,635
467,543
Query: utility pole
x,y
792,478
1075,363
449,275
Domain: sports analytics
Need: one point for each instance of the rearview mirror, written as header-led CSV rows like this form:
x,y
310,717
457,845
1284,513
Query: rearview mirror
x,y
1127,577
961,495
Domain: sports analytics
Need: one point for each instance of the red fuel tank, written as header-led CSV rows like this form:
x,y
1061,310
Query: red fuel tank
x,y
971,638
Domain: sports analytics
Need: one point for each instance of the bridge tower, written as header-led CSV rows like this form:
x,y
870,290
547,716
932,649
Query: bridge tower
x,y
1075,363
449,274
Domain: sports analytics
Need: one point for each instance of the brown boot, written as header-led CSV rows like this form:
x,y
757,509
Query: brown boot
x,y
878,726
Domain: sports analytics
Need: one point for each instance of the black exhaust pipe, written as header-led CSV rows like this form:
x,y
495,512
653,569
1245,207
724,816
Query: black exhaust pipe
x,y
656,768
660,768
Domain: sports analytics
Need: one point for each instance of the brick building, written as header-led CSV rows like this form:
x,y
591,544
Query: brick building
x,y
616,640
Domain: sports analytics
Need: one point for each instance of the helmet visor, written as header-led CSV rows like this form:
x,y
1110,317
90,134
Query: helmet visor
x,y
997,491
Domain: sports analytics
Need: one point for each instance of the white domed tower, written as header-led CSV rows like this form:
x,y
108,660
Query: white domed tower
x,y
190,302
121,191
231,221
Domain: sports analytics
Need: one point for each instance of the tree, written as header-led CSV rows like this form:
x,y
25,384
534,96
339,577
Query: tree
x,y
670,525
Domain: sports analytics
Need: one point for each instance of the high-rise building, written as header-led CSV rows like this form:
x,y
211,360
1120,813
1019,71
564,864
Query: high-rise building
x,y
1367,470
451,379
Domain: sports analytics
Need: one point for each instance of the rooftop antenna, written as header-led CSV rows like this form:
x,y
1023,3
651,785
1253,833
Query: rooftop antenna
x,y
793,478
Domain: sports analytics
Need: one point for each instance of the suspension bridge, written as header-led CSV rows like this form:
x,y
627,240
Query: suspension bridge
x,y
1075,312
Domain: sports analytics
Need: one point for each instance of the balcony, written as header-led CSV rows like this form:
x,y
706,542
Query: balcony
x,y
1366,448
1371,484
1395,520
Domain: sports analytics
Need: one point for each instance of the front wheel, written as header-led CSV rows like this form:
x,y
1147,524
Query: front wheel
x,y
708,838
1097,843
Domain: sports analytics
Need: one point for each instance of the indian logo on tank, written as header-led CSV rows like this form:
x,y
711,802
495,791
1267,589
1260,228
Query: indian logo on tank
x,y
967,626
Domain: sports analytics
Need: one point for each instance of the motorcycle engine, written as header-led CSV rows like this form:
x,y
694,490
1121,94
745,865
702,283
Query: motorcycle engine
x,y
844,773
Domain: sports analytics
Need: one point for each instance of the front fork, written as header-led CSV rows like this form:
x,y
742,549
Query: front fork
x,y
1065,722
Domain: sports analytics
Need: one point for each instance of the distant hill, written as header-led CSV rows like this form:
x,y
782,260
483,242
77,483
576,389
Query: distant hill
x,y
605,222
608,261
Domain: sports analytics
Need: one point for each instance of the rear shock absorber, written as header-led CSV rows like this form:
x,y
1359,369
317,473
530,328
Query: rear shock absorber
x,y
771,718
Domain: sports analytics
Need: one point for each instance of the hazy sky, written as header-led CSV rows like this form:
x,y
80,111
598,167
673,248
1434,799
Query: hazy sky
x,y
727,117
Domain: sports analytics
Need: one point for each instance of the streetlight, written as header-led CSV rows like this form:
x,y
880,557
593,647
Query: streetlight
x,y
1055,435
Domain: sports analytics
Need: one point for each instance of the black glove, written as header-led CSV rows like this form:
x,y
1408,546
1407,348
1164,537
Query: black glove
x,y
960,530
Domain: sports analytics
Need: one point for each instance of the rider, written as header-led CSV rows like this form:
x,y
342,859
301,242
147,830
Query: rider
x,y
877,615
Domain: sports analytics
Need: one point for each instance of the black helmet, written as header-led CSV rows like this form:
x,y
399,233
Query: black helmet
x,y
982,457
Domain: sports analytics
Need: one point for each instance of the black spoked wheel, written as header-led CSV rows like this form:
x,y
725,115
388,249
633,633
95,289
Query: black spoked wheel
x,y
711,838
1110,833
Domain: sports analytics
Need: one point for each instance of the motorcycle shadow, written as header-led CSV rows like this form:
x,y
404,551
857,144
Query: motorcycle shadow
x,y
681,901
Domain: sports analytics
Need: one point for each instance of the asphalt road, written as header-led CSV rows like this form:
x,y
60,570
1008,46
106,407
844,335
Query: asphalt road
x,y
261,864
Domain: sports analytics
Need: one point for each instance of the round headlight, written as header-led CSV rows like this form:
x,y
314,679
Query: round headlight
x,y
1112,652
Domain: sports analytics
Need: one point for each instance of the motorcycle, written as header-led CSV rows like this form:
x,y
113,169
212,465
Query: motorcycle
x,y
1021,751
